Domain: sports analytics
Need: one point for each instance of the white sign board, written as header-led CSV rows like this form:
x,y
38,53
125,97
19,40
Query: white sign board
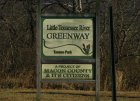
x,y
67,71
67,37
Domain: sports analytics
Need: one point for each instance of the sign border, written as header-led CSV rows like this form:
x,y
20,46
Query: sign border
x,y
92,79
43,57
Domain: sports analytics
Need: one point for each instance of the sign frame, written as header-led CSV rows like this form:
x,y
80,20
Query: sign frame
x,y
95,60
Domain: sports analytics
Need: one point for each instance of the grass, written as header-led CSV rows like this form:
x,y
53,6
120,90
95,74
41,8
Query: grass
x,y
63,95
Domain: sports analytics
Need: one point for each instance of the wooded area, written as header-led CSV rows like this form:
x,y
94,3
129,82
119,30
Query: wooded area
x,y
18,42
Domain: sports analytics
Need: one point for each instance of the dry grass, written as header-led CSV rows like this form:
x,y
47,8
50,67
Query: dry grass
x,y
63,95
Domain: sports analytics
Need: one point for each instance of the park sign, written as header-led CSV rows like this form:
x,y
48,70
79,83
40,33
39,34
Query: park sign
x,y
67,37
67,71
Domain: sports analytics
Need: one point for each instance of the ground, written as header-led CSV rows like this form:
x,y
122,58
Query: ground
x,y
63,95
